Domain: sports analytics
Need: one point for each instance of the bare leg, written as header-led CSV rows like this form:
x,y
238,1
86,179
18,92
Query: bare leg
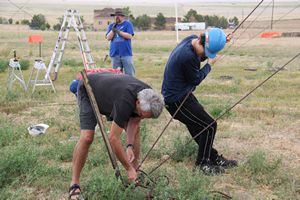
x,y
80,154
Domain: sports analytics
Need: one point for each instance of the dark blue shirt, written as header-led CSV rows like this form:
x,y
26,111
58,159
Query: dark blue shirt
x,y
120,46
182,72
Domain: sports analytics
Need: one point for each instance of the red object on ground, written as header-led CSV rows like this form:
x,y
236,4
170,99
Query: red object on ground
x,y
100,70
270,34
35,39
95,70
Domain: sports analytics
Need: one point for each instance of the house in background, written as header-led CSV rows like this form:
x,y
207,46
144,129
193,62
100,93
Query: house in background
x,y
170,23
102,18
191,26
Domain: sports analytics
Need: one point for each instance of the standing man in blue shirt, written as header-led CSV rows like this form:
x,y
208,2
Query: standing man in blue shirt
x,y
182,75
120,34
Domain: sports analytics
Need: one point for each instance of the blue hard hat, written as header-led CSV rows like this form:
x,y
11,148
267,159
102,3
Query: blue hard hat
x,y
73,86
215,41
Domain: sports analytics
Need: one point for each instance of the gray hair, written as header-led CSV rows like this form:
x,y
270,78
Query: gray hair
x,y
151,101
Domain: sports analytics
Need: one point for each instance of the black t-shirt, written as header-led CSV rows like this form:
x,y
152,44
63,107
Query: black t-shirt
x,y
116,95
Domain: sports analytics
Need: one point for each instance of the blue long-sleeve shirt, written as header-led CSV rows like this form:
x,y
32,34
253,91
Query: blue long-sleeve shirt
x,y
182,72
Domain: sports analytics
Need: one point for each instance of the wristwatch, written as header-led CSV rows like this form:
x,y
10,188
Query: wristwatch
x,y
129,145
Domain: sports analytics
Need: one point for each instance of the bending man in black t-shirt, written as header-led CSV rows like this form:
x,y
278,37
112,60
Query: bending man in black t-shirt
x,y
124,100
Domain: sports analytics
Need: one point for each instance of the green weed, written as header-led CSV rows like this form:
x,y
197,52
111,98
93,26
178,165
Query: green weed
x,y
3,65
72,62
25,64
17,162
183,150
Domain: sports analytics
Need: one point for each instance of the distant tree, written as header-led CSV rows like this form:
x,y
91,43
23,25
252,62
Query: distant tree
x,y
213,20
188,17
17,22
43,27
143,22
235,20
223,22
160,22
48,26
199,18
38,22
56,27
25,22
3,20
127,11
132,19
10,20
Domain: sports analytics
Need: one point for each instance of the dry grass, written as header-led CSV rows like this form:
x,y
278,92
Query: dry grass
x,y
267,121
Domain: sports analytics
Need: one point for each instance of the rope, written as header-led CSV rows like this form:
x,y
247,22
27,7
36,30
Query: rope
x,y
247,17
267,27
227,49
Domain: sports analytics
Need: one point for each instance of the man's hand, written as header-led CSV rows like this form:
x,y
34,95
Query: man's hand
x,y
214,60
115,30
132,175
229,37
130,154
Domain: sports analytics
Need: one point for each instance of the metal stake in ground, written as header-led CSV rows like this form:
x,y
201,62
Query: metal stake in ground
x,y
101,125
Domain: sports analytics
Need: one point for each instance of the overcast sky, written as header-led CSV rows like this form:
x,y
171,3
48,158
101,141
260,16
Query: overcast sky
x,y
138,1
167,1
170,1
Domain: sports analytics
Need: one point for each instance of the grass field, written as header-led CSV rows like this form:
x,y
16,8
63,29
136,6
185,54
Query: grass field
x,y
262,133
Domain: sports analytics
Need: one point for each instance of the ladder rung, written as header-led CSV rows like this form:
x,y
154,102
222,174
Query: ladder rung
x,y
87,51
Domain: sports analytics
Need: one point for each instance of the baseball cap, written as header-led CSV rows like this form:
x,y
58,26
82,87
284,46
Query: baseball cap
x,y
215,41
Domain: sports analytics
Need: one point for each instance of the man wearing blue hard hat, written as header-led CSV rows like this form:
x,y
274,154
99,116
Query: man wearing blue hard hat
x,y
182,74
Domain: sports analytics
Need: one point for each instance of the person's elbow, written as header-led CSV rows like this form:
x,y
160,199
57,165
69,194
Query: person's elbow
x,y
197,79
130,37
196,82
112,139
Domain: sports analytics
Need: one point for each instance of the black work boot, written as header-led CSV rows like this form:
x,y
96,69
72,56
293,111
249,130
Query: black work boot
x,y
209,168
223,162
